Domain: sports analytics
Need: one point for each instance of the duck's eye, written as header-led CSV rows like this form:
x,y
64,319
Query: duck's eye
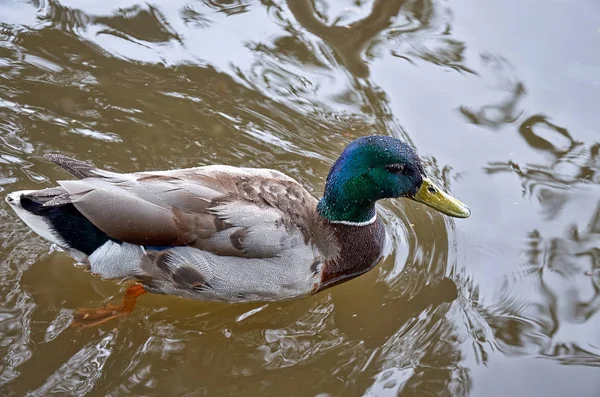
x,y
395,168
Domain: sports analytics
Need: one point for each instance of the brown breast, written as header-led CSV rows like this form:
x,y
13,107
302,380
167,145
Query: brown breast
x,y
360,249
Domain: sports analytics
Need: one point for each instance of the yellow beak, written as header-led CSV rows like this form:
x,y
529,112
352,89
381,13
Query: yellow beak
x,y
433,196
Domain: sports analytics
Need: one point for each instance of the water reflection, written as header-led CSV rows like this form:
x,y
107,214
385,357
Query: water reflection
x,y
564,298
348,41
496,115
570,164
16,307
507,111
81,372
549,305
138,23
423,357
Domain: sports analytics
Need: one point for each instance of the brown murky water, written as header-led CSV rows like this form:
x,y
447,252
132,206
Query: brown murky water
x,y
501,100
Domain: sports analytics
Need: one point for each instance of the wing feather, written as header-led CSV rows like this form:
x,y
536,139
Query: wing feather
x,y
251,213
122,215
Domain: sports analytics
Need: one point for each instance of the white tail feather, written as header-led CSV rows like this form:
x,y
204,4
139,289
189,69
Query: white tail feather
x,y
35,222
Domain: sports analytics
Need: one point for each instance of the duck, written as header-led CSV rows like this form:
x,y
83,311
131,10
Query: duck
x,y
225,233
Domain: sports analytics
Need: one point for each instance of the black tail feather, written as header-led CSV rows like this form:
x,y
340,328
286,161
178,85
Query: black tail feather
x,y
74,228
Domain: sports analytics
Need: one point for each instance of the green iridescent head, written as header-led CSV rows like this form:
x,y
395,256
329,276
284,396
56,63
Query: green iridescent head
x,y
377,167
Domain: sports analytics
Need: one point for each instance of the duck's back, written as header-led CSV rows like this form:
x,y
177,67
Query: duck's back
x,y
214,232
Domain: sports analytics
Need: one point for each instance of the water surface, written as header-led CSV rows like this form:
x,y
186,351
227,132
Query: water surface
x,y
500,99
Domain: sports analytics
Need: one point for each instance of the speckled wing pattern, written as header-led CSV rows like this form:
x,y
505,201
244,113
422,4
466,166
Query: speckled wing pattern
x,y
213,232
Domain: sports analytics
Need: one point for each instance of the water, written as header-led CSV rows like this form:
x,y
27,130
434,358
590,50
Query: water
x,y
500,99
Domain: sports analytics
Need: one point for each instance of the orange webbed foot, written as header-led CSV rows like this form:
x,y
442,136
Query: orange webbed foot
x,y
91,317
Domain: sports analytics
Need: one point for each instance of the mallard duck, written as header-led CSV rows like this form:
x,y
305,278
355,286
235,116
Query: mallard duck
x,y
222,233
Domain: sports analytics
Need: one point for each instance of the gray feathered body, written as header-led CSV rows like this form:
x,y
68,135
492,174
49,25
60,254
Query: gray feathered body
x,y
213,233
